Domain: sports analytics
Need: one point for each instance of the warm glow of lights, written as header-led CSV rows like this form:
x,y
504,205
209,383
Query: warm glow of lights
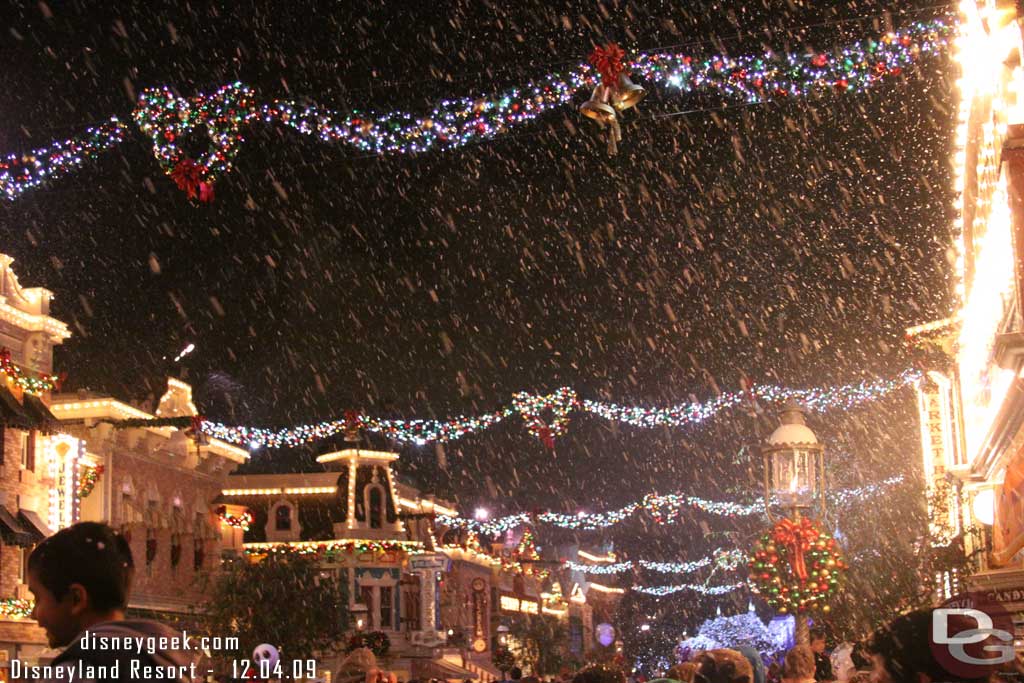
x,y
560,613
606,589
338,542
984,384
311,490
251,492
984,506
358,453
985,46
108,407
509,603
62,455
590,557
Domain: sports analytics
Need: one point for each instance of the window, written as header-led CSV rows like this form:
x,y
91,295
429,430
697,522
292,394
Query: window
x,y
376,506
283,518
23,554
385,606
28,450
411,602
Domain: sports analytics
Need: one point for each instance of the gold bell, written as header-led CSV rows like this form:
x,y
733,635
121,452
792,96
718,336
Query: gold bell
x,y
597,106
627,94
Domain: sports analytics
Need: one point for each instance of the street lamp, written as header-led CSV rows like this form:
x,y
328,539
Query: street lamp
x,y
794,464
794,474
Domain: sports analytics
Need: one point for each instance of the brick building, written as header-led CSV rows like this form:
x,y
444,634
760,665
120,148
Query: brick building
x,y
157,485
38,470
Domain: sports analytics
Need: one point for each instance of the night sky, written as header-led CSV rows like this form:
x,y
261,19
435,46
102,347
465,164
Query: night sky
x,y
791,242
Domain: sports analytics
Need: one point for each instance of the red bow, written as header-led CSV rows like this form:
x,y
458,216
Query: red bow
x,y
205,192
608,62
186,176
797,537
546,437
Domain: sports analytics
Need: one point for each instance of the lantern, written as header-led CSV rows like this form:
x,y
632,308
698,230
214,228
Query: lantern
x,y
794,463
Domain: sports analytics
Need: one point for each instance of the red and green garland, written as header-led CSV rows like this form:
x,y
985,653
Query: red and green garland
x,y
331,549
33,385
243,521
90,477
15,608
796,567
224,116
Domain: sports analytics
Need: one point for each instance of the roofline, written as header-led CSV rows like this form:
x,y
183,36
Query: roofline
x,y
111,408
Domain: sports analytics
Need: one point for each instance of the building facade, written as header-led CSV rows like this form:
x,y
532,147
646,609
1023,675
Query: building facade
x,y
971,394
444,602
157,485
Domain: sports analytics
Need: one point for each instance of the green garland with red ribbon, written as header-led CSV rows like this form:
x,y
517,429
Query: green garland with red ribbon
x,y
796,567
33,385
90,477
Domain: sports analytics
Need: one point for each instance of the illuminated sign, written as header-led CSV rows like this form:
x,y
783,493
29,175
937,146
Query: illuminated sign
x,y
510,603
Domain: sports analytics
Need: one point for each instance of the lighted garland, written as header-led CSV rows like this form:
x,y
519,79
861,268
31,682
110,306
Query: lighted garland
x,y
90,476
559,404
600,569
33,385
225,115
16,608
796,567
242,521
661,591
331,549
22,172
664,509
723,559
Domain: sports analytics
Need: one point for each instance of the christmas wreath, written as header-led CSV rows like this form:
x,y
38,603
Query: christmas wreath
x,y
796,567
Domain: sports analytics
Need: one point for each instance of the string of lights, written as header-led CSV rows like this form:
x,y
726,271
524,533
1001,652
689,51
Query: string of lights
x,y
665,509
725,559
22,172
226,114
661,591
560,403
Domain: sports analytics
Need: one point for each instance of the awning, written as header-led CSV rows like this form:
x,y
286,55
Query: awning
x,y
35,526
12,530
43,419
11,412
443,669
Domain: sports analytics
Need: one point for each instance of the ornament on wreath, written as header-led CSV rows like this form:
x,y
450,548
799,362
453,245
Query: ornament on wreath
x,y
615,92
796,566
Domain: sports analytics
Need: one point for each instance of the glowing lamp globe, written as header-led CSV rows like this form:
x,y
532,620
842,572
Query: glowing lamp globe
x,y
794,462
984,506
605,634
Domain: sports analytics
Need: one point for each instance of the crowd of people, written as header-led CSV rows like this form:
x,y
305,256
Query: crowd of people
x,y
81,576
901,651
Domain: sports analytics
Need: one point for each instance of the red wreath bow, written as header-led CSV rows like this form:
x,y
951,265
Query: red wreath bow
x,y
608,62
186,177
796,537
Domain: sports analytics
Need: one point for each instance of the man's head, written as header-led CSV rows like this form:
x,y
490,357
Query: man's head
x,y
901,652
722,666
79,576
818,640
799,664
